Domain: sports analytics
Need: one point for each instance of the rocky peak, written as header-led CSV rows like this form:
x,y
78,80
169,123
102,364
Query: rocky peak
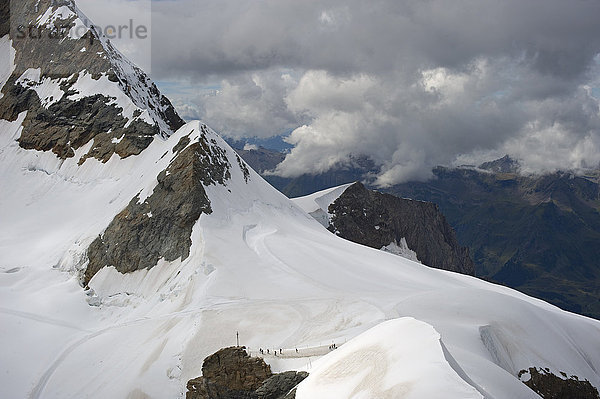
x,y
378,220
76,87
160,226
502,165
231,373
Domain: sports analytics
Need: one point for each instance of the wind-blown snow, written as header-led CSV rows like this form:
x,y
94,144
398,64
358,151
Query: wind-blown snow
x,y
258,264
400,358
317,204
401,249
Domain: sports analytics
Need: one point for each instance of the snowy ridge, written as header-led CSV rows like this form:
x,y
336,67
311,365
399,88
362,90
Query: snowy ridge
x,y
317,204
380,365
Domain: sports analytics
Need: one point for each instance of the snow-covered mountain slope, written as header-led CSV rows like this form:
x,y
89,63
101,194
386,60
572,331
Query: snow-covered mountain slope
x,y
376,362
257,264
252,262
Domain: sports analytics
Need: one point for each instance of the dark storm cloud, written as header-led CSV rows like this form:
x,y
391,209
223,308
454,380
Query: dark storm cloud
x,y
222,36
409,83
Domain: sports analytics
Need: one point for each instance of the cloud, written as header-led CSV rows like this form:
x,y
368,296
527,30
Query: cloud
x,y
251,105
409,83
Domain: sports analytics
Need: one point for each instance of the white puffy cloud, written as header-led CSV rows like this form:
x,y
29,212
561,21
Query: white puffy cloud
x,y
408,83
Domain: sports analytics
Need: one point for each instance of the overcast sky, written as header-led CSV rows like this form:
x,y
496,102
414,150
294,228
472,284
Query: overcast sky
x,y
409,83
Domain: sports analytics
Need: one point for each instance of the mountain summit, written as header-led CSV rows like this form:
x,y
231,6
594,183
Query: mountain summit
x,y
132,246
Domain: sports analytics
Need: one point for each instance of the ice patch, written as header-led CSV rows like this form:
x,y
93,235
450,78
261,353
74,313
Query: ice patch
x,y
78,31
400,249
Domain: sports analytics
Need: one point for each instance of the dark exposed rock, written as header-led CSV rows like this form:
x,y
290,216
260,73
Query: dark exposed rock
x,y
243,167
231,374
5,21
161,226
67,124
376,220
550,386
280,385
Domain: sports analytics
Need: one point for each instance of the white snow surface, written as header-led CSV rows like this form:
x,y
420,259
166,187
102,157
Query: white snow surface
x,y
321,199
54,14
47,89
400,358
259,265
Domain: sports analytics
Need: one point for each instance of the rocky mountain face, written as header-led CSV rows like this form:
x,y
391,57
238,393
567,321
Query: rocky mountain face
x,y
161,225
73,92
231,374
502,165
59,64
377,220
551,386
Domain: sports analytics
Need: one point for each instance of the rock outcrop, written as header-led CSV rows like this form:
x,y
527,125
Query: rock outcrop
x,y
377,220
76,87
161,225
231,374
550,386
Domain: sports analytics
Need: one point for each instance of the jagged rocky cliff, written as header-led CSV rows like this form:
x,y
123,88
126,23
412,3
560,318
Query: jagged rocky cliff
x,y
76,87
415,230
377,220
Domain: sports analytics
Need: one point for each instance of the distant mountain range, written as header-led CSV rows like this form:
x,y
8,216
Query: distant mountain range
x,y
537,233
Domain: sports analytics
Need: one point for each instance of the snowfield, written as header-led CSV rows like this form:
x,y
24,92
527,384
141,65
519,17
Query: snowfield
x,y
400,358
259,265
